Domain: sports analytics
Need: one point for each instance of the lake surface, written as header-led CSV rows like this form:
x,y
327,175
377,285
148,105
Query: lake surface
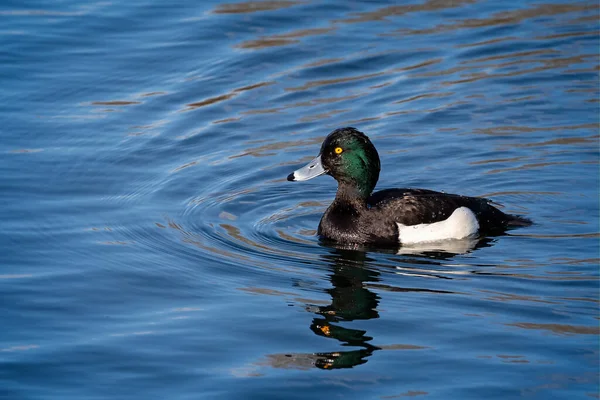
x,y
151,247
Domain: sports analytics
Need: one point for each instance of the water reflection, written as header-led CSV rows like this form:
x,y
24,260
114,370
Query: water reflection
x,y
352,278
350,300
439,250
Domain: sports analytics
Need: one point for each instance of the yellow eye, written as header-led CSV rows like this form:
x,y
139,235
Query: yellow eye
x,y
338,150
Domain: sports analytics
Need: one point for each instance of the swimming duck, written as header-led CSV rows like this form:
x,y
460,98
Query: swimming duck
x,y
392,216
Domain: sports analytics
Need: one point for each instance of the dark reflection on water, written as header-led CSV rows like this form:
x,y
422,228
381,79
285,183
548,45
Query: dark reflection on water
x,y
350,300
351,278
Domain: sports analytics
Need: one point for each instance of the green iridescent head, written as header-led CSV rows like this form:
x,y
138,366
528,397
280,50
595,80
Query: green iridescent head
x,y
349,156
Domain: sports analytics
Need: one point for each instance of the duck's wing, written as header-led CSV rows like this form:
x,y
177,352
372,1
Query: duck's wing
x,y
421,206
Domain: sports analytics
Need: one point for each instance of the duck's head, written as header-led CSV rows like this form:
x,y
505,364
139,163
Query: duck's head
x,y
349,156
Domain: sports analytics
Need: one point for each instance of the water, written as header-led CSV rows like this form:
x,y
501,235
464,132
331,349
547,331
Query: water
x,y
151,247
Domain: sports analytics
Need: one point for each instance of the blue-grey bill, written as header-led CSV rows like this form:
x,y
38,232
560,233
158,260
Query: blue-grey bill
x,y
309,171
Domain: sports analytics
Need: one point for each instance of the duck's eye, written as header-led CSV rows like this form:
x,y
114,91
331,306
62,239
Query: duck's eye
x,y
338,150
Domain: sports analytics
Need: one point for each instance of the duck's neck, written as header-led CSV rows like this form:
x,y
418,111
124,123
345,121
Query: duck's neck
x,y
351,195
339,221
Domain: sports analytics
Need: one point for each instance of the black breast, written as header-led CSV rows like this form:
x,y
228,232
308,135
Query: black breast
x,y
349,223
339,222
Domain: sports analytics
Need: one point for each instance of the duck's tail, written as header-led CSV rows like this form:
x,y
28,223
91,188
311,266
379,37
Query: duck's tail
x,y
515,221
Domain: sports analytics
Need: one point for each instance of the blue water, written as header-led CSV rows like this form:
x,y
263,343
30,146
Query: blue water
x,y
151,247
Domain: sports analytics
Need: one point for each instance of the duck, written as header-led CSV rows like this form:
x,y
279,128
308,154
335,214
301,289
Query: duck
x,y
392,217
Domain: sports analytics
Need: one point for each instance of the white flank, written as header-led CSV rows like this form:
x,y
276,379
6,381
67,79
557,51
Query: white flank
x,y
459,225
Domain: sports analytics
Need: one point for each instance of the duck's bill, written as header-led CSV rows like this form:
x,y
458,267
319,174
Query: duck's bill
x,y
309,171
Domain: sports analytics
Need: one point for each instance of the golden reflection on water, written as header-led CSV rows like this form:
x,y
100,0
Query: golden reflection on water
x,y
227,96
209,101
395,11
559,329
254,6
115,103
282,39
505,17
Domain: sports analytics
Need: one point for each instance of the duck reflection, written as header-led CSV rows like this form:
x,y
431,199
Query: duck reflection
x,y
350,300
